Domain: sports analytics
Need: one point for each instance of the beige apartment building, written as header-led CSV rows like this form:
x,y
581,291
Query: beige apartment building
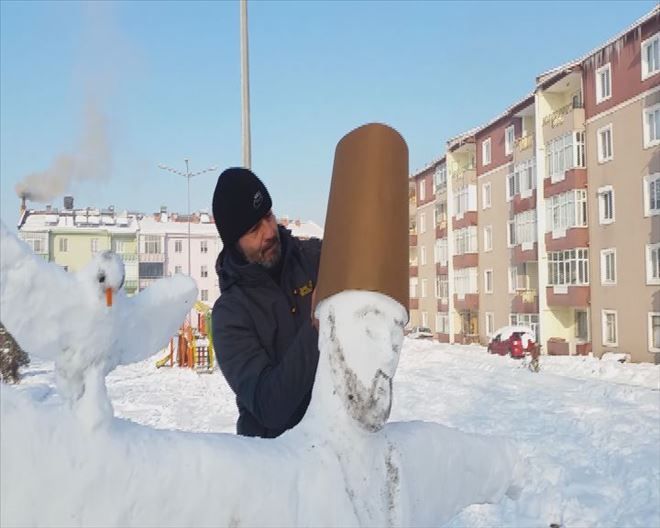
x,y
555,210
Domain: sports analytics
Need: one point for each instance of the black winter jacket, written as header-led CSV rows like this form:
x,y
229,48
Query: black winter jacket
x,y
264,341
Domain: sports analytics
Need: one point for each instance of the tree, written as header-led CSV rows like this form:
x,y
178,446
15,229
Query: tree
x,y
12,357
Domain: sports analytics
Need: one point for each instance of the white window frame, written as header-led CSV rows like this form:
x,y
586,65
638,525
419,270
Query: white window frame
x,y
565,211
442,323
602,219
579,339
422,190
604,255
424,291
203,246
64,245
650,279
422,255
602,158
425,319
600,97
119,246
568,264
488,238
648,142
513,279
606,342
509,139
94,245
645,63
486,148
422,223
486,195
441,253
490,323
510,230
488,284
413,287
650,331
648,180
204,295
564,153
204,271
178,269
178,246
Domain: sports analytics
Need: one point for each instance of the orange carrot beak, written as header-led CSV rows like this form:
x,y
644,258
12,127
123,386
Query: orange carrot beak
x,y
108,296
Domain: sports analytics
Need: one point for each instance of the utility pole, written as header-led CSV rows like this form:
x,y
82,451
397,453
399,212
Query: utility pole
x,y
245,87
188,175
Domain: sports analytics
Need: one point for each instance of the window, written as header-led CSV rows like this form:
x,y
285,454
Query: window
x,y
564,153
490,323
488,238
652,194
651,56
521,179
412,256
485,152
95,245
178,269
119,246
422,223
441,287
440,177
610,337
178,246
465,199
204,295
150,270
465,282
204,246
513,279
64,245
485,196
422,191
603,83
569,267
653,263
509,138
511,233
608,266
606,205
565,211
525,228
425,319
441,255
581,325
204,271
422,255
465,240
152,244
424,283
413,288
605,144
35,244
442,323
488,281
441,214
652,126
654,332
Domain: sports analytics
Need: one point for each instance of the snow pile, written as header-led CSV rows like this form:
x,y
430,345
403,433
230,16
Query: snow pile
x,y
343,465
527,334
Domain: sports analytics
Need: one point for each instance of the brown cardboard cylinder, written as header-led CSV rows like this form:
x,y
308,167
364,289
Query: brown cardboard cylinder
x,y
365,243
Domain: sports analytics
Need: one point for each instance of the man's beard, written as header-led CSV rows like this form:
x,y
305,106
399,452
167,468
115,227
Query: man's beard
x,y
259,257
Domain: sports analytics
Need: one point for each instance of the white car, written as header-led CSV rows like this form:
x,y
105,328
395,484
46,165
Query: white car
x,y
420,332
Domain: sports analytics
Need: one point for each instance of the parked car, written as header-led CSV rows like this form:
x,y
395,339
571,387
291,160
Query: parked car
x,y
515,341
420,332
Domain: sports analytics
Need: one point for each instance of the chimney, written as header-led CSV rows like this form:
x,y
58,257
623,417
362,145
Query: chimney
x,y
68,202
22,208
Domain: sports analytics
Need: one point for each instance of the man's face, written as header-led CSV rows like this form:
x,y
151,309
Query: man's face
x,y
261,244
362,333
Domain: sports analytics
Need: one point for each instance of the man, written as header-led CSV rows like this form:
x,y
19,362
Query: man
x,y
265,342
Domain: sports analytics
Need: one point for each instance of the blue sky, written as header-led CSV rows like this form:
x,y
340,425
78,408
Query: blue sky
x,y
166,78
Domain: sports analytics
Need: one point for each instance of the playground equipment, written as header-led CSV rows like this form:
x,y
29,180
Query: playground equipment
x,y
194,346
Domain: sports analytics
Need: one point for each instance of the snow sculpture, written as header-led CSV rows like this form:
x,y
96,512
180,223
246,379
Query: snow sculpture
x,y
84,321
343,465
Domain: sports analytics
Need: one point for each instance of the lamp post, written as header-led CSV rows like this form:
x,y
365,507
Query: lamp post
x,y
187,175
245,87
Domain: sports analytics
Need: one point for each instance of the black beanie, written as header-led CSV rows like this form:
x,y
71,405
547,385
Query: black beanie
x,y
240,200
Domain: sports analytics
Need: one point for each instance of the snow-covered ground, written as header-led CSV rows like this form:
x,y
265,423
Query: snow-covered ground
x,y
588,429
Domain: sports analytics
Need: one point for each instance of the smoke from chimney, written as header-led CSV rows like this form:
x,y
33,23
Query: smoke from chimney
x,y
91,161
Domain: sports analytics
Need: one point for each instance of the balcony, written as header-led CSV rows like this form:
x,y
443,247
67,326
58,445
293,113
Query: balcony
x,y
152,257
414,303
443,304
573,237
469,218
441,229
527,252
520,205
566,119
412,239
441,268
470,301
582,349
526,301
414,271
574,296
130,285
468,260
575,178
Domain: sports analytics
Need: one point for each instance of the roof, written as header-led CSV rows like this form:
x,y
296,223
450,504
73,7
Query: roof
x,y
427,167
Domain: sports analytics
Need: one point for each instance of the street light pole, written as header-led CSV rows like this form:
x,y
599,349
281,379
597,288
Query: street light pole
x,y
188,175
245,88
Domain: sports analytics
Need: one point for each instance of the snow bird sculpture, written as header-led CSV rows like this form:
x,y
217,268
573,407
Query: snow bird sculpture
x,y
343,465
84,321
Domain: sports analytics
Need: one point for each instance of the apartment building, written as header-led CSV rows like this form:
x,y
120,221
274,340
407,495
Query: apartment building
x,y
555,208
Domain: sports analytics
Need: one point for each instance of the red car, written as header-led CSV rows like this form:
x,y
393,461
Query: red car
x,y
514,341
